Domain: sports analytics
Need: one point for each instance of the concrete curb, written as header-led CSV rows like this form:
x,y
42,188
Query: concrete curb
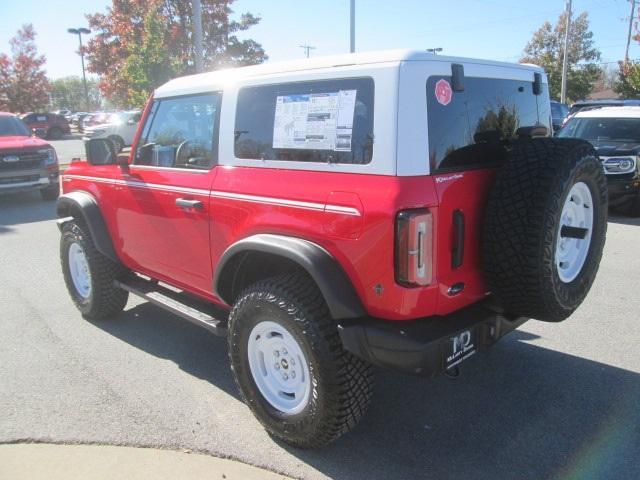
x,y
94,462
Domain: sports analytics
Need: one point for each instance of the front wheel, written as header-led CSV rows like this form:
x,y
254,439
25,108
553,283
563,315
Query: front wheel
x,y
89,275
290,366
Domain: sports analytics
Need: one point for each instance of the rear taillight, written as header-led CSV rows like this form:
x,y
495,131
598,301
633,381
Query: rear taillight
x,y
414,247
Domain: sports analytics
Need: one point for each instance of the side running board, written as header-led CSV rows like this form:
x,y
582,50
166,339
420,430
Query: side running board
x,y
196,311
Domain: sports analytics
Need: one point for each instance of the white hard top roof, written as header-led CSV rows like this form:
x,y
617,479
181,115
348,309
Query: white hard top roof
x,y
626,111
207,81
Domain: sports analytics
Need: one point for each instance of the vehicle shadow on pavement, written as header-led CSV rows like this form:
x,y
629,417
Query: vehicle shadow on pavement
x,y
195,350
517,411
624,220
24,207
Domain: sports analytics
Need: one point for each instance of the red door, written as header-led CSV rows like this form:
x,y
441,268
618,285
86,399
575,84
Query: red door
x,y
163,213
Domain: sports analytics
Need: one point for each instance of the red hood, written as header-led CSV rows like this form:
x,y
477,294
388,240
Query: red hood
x,y
20,142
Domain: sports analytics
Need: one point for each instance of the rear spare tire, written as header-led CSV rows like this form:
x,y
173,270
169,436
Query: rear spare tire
x,y
545,227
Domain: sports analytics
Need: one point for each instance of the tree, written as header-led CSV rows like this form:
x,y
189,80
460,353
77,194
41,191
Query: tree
x,y
628,84
546,48
23,82
140,44
68,92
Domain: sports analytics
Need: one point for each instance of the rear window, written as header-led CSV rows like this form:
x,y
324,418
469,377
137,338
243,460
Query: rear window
x,y
329,121
467,129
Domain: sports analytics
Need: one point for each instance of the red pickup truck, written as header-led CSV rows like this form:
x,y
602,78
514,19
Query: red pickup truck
x,y
26,162
397,209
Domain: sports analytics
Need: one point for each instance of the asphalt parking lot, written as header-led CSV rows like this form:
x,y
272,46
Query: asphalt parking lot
x,y
558,401
70,146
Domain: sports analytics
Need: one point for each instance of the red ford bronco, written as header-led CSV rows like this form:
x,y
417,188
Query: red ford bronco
x,y
397,209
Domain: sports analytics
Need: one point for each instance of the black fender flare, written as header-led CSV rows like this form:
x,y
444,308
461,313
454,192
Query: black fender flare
x,y
84,206
334,284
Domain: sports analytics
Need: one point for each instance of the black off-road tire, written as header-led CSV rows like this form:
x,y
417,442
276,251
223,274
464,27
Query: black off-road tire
x,y
341,383
51,192
522,226
105,300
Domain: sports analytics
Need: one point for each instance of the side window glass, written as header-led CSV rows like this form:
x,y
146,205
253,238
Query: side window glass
x,y
468,129
328,121
181,132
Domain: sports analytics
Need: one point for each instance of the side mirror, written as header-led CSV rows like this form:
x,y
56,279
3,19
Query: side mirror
x,y
100,151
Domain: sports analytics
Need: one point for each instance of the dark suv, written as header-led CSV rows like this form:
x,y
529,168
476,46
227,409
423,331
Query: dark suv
x,y
53,126
26,162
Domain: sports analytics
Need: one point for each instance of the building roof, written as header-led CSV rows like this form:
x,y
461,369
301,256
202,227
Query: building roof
x,y
218,78
610,112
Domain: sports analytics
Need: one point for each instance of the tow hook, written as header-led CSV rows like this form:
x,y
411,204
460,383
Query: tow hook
x,y
452,373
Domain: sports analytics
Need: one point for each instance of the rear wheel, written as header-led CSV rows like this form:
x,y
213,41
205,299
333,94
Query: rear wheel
x,y
545,228
55,133
89,275
290,366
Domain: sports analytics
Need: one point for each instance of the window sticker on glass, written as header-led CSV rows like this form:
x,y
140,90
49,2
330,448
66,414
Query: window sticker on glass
x,y
318,121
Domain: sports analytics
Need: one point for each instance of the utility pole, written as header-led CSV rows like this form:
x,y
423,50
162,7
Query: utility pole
x,y
306,49
197,34
352,36
565,59
79,32
633,12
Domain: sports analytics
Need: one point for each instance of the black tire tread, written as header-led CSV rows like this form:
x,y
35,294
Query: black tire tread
x,y
106,299
350,385
519,226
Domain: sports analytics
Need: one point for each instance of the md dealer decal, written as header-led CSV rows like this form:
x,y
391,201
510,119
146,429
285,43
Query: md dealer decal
x,y
443,92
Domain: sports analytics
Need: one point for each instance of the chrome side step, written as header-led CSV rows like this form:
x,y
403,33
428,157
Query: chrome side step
x,y
196,311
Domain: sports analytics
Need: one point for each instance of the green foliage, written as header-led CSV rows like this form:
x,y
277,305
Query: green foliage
x,y
546,48
140,44
68,92
628,84
148,65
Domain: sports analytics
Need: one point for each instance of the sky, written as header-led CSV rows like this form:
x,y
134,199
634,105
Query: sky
x,y
492,29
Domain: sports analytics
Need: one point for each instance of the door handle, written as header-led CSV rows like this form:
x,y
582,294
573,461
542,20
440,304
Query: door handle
x,y
185,203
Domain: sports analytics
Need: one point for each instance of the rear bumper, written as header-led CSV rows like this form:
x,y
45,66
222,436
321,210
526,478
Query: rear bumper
x,y
424,346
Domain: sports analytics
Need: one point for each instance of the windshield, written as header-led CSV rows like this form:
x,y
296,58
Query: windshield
x,y
623,130
13,127
559,110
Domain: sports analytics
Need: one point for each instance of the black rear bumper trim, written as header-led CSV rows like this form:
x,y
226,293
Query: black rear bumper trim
x,y
420,346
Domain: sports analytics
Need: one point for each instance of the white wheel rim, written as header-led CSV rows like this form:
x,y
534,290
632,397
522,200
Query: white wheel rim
x,y
79,268
279,368
577,213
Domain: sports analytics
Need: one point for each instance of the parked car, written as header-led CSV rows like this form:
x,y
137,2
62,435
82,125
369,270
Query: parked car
x,y
615,134
26,161
327,215
119,127
93,119
559,113
611,102
54,126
